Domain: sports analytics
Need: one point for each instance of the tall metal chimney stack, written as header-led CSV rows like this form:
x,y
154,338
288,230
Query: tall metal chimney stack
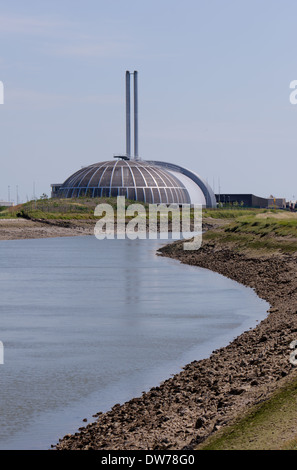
x,y
136,156
128,116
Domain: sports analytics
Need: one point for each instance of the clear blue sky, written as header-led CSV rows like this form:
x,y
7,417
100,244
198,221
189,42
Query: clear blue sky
x,y
213,89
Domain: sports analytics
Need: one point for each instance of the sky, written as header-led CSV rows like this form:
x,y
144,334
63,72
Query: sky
x,y
214,90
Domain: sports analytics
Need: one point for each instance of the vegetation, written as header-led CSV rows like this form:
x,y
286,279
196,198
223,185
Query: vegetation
x,y
267,426
47,209
72,208
8,212
268,230
256,229
222,213
269,226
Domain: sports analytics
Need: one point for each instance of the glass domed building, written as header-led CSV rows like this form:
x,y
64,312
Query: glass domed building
x,y
146,181
138,180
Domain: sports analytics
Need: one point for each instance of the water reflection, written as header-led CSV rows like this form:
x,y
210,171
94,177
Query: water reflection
x,y
88,323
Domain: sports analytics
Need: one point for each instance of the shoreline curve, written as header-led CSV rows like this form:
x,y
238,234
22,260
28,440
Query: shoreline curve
x,y
208,394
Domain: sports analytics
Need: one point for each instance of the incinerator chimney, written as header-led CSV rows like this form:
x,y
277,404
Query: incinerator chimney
x,y
128,114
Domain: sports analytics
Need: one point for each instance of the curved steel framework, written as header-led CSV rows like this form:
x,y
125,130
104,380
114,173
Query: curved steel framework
x,y
208,193
138,181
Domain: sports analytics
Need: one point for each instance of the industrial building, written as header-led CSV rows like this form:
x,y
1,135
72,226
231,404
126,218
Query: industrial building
x,y
250,200
130,176
242,200
276,203
135,180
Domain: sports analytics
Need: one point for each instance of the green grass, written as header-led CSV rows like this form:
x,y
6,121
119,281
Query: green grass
x,y
268,230
264,227
231,213
243,227
72,208
271,425
84,208
65,209
7,213
243,241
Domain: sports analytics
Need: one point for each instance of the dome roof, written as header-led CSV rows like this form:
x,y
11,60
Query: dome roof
x,y
136,180
199,190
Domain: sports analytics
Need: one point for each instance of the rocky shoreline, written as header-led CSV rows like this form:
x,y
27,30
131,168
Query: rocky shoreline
x,y
208,394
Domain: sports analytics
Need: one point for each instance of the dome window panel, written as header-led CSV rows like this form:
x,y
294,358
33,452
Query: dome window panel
x,y
163,195
138,177
114,192
156,195
105,180
131,194
149,181
148,195
127,177
117,177
140,194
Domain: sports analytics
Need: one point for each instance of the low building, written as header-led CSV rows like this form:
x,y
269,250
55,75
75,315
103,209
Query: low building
x,y
6,204
276,203
291,205
55,188
242,200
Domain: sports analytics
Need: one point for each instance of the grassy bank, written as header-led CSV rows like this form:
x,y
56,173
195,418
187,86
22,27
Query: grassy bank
x,y
270,425
83,208
62,209
264,231
227,213
256,229
47,208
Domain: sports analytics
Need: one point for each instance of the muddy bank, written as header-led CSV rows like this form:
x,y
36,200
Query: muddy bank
x,y
208,394
20,229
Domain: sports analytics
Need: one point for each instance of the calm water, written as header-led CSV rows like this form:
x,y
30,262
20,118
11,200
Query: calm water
x,y
86,324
